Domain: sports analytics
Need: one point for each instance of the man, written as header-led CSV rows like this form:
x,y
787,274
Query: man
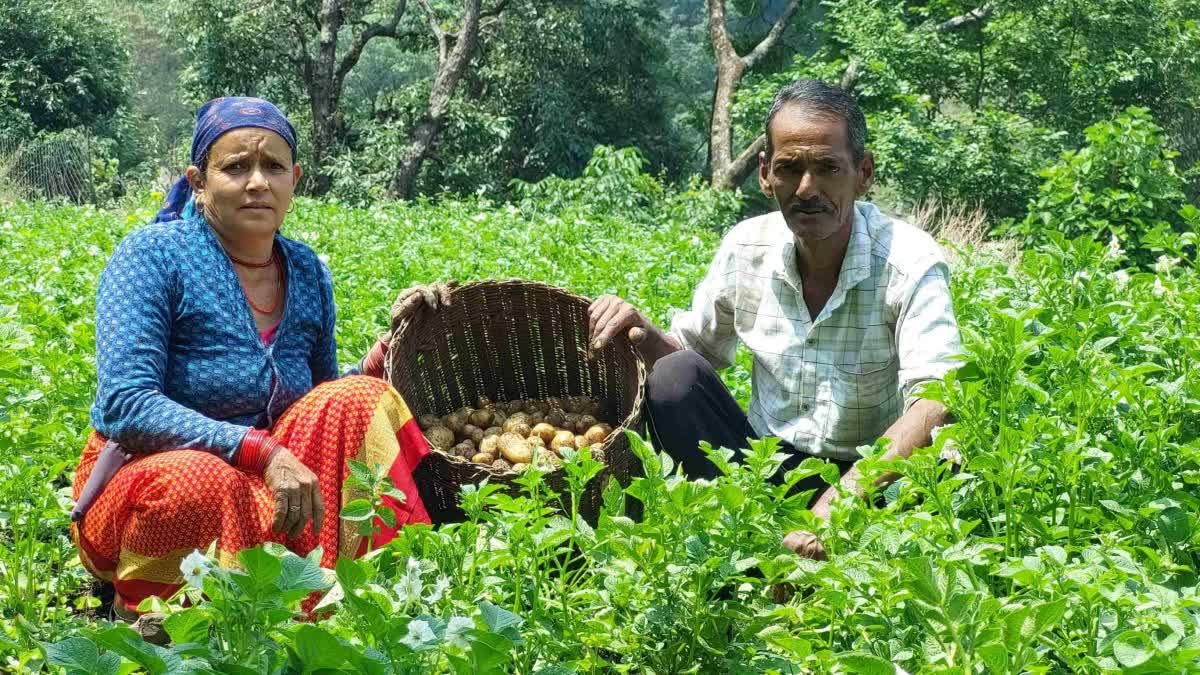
x,y
846,312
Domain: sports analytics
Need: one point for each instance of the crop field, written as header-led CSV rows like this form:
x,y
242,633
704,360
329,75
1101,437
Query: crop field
x,y
1052,528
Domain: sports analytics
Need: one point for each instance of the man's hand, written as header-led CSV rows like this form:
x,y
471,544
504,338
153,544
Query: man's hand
x,y
410,301
297,494
805,545
610,316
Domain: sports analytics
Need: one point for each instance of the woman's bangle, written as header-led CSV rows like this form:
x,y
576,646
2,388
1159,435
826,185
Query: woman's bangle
x,y
256,450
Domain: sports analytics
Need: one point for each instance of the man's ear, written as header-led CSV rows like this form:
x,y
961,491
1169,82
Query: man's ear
x,y
866,174
764,175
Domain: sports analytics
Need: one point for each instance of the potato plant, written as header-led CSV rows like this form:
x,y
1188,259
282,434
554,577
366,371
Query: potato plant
x,y
1051,528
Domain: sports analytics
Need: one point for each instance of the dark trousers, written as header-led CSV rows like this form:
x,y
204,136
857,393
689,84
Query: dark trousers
x,y
688,403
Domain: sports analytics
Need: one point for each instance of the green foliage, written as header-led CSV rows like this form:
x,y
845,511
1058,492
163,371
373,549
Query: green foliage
x,y
1123,184
64,66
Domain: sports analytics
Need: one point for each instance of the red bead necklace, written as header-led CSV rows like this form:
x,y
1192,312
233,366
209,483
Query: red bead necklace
x,y
273,260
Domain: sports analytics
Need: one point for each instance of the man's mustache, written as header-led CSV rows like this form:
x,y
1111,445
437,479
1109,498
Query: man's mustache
x,y
810,205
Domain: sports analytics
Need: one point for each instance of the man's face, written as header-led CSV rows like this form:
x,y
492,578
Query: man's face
x,y
812,174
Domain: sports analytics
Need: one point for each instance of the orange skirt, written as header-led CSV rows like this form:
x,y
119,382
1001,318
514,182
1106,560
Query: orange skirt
x,y
160,507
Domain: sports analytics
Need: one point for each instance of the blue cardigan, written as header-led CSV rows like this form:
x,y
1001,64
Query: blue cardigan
x,y
180,362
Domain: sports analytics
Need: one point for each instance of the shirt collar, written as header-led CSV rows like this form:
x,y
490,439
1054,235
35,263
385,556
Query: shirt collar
x,y
856,265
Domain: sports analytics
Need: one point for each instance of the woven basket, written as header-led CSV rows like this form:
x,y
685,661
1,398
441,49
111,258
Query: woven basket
x,y
510,340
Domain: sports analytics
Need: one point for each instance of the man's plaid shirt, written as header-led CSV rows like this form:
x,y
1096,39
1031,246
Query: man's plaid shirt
x,y
831,384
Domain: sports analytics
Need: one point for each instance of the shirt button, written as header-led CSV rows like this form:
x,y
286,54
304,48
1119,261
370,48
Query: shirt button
x,y
805,407
810,341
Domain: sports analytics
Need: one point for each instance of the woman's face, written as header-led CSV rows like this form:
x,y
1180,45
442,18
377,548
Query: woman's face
x,y
247,187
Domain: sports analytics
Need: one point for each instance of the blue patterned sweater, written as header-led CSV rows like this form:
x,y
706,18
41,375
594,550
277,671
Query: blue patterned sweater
x,y
179,358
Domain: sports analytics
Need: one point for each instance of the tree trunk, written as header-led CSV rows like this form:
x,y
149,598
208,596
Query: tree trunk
x,y
452,63
727,171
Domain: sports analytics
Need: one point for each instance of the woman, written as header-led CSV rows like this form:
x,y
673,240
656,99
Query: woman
x,y
218,377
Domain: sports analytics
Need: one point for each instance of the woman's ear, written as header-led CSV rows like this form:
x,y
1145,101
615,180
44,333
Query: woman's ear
x,y
296,173
195,178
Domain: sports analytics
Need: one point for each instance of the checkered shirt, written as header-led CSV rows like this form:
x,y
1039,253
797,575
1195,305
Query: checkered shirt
x,y
831,384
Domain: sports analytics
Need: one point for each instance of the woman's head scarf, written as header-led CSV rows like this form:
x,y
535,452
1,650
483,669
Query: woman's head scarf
x,y
213,120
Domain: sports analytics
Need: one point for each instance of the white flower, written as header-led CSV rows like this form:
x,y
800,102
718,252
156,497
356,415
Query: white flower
x,y
419,634
413,566
1159,289
456,631
1114,247
1165,264
409,588
439,589
194,568
1121,277
696,240
951,453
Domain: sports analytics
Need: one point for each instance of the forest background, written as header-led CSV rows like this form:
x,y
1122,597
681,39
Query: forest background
x,y
970,103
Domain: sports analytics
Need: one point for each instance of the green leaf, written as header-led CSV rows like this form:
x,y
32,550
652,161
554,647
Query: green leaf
x,y
1133,648
262,567
188,626
314,650
361,475
866,664
388,516
1174,524
300,574
358,510
501,621
75,653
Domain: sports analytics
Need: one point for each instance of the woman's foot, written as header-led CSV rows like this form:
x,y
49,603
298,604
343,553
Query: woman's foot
x,y
149,625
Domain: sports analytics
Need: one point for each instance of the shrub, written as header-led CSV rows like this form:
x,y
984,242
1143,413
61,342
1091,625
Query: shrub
x,y
1123,183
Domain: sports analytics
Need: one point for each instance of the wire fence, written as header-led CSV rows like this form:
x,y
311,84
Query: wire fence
x,y
55,166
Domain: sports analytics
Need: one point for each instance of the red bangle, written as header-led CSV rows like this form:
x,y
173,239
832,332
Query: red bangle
x,y
256,450
372,364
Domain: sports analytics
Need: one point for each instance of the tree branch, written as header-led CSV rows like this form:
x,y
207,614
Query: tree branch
x,y
717,32
971,18
443,40
494,11
745,162
773,36
383,29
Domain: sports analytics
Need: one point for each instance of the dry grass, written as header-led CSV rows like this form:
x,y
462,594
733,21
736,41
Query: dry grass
x,y
963,228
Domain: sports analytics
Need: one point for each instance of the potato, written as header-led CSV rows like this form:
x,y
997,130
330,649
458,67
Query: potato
x,y
521,429
584,423
548,460
469,431
515,419
536,419
515,449
562,439
492,431
464,450
455,420
533,406
545,431
481,418
502,465
484,403
597,433
598,454
499,418
556,418
483,458
570,420
428,422
571,404
588,406
535,441
581,442
440,437
520,466
490,445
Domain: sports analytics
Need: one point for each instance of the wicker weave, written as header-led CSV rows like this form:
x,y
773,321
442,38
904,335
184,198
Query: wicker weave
x,y
510,340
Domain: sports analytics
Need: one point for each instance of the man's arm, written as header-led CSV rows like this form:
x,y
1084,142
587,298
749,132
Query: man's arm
x,y
913,430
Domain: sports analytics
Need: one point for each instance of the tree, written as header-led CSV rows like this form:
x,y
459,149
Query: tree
x,y
323,41
726,170
63,66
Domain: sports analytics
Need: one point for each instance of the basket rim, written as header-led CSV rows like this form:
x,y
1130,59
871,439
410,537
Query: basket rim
x,y
399,328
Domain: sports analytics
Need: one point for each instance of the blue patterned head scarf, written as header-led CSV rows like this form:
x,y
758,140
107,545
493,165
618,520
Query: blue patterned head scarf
x,y
213,120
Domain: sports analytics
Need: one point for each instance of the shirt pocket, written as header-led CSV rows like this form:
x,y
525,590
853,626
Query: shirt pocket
x,y
862,404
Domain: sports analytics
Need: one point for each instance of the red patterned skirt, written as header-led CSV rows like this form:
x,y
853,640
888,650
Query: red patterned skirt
x,y
160,507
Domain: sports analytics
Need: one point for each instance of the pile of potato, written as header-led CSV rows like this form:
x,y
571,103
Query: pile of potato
x,y
504,435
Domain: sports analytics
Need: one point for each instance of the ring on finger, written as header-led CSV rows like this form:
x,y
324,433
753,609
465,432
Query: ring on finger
x,y
294,508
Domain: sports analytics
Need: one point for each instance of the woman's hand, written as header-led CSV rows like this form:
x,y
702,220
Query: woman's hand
x,y
410,301
297,494
805,545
